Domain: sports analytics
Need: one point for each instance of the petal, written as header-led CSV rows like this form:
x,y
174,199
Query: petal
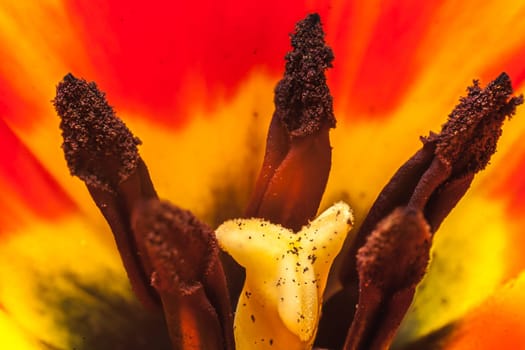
x,y
28,190
472,248
63,283
64,288
497,323
108,42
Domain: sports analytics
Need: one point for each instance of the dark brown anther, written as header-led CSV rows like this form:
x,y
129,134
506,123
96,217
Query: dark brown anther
x,y
101,151
390,265
187,274
298,152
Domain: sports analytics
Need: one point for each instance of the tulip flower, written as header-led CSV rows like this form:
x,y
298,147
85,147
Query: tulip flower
x,y
433,261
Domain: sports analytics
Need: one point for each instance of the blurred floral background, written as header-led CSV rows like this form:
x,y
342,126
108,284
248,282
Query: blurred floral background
x,y
195,82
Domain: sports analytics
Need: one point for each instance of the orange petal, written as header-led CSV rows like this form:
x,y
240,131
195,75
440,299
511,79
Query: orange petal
x,y
496,324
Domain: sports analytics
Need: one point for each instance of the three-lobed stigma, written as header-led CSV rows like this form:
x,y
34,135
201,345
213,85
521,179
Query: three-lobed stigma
x,y
286,275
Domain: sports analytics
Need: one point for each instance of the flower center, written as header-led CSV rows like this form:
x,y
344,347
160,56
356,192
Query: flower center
x,y
173,261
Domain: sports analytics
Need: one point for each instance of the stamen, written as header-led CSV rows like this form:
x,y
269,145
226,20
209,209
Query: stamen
x,y
440,173
187,274
101,151
298,152
390,265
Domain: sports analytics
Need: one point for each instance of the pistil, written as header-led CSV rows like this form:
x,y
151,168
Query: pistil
x,y
286,275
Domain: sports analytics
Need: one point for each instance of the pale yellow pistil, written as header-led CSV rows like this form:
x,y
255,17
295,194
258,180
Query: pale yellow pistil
x,y
286,274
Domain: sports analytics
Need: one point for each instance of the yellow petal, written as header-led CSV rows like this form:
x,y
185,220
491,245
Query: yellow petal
x,y
496,324
64,288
